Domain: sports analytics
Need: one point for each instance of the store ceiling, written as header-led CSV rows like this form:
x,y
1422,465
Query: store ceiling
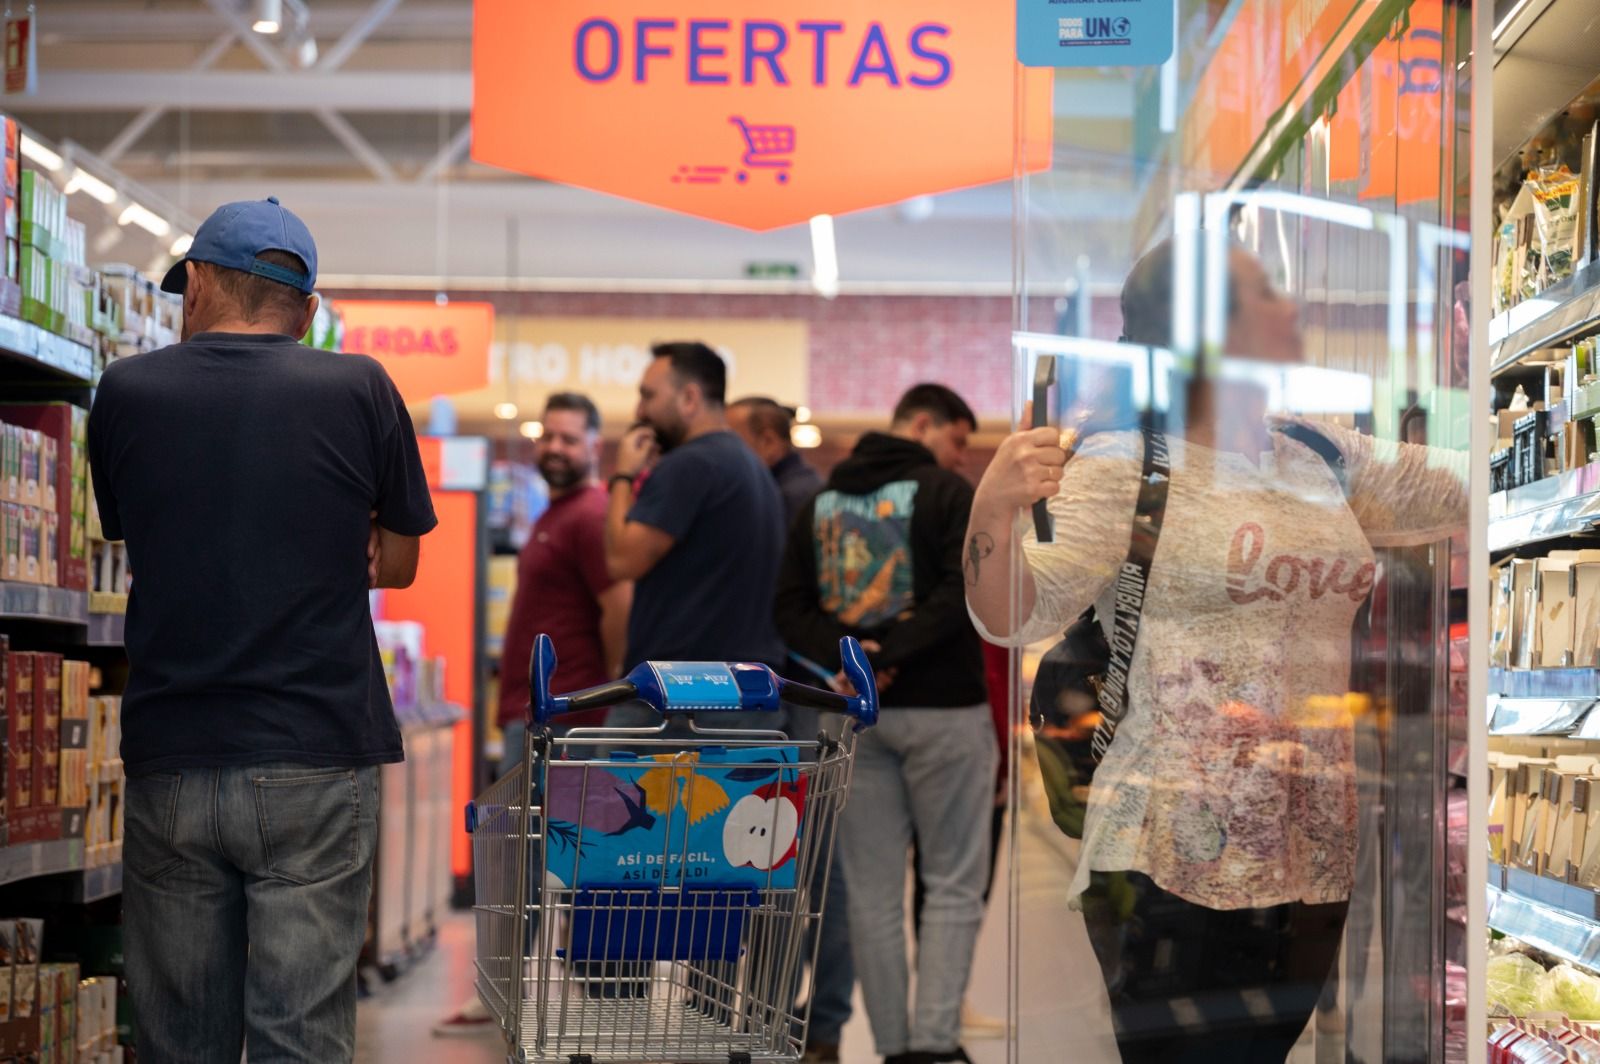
x,y
370,145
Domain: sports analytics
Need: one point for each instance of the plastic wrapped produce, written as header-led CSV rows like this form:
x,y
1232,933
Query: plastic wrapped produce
x,y
1514,982
1567,990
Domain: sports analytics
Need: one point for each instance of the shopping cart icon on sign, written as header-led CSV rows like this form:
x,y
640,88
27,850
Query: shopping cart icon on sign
x,y
768,148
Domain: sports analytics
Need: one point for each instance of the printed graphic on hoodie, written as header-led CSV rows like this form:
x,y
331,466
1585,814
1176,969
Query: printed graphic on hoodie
x,y
864,564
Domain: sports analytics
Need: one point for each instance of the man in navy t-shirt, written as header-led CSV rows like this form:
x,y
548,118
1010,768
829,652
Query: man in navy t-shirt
x,y
262,487
703,534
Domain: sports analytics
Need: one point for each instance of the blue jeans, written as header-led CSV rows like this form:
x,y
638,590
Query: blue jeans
x,y
244,909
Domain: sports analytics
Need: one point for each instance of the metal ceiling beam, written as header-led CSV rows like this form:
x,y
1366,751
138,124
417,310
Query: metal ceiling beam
x,y
125,22
248,37
393,92
356,144
357,34
449,155
150,115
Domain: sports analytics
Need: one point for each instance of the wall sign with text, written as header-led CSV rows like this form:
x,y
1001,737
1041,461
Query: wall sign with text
x,y
1092,33
759,113
428,349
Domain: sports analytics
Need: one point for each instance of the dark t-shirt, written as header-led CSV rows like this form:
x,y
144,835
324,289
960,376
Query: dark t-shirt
x,y
561,573
710,597
241,470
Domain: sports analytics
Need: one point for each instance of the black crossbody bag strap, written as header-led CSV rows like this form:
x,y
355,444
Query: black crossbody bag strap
x,y
1133,580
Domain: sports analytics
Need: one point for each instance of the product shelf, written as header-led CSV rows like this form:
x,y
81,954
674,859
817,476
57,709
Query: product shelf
x,y
97,884
1559,313
25,342
1558,918
106,629
36,602
1563,505
1544,716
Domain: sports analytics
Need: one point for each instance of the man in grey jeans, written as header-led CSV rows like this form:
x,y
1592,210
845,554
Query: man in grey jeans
x,y
262,487
878,555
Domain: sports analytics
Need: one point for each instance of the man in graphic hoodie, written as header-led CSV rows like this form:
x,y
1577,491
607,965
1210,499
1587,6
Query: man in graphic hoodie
x,y
877,555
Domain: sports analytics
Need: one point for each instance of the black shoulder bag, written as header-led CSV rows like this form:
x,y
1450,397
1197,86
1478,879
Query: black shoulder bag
x,y
1080,695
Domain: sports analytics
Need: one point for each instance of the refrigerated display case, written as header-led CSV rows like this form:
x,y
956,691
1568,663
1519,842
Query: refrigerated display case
x,y
1245,814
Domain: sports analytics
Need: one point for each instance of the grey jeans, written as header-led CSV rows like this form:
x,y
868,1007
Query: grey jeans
x,y
929,772
244,909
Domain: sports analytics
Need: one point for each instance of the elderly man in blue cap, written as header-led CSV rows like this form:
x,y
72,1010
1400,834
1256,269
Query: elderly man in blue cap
x,y
262,487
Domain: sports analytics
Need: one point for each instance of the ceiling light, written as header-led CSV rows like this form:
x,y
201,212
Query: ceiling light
x,y
306,54
802,414
806,436
182,245
145,219
83,181
505,411
37,152
268,16
533,429
824,257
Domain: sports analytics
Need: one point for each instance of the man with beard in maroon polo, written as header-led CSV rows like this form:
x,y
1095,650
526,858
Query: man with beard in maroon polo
x,y
564,591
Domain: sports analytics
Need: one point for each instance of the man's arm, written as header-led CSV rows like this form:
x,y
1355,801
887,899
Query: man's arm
x,y
942,615
632,548
391,557
615,602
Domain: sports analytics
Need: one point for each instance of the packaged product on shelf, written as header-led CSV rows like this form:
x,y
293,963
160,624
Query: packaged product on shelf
x,y
1513,982
20,666
50,549
75,733
63,428
47,731
1555,197
1496,814
11,514
1500,640
25,993
1555,608
32,528
1536,805
1524,629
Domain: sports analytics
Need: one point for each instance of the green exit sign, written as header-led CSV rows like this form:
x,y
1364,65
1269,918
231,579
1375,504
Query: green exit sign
x,y
772,271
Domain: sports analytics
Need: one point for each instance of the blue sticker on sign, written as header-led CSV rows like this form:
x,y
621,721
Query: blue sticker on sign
x,y
692,685
1089,33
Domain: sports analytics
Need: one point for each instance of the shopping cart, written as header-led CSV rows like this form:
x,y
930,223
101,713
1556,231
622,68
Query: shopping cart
x,y
644,895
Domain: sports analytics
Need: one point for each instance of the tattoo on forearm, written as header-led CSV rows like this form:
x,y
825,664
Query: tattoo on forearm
x,y
979,547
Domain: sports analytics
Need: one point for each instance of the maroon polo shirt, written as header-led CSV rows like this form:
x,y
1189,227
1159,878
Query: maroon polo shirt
x,y
560,575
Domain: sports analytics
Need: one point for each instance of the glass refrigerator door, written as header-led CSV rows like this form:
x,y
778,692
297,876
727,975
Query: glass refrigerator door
x,y
1229,545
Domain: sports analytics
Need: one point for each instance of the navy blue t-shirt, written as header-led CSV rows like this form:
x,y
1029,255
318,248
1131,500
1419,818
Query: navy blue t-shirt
x,y
241,470
710,597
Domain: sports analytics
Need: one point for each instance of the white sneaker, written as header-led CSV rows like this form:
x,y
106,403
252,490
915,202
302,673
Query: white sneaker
x,y
471,1019
975,1026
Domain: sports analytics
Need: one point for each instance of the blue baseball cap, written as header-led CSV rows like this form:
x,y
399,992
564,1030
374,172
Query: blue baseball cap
x,y
238,232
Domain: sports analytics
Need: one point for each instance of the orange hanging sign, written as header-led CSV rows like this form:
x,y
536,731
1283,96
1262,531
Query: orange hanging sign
x,y
759,114
428,349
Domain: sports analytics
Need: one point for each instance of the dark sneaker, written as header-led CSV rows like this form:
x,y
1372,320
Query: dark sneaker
x,y
954,1056
821,1053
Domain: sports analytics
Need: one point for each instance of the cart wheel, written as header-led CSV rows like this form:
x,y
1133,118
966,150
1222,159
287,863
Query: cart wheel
x,y
388,972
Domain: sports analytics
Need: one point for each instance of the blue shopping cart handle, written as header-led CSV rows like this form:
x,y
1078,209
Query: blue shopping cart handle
x,y
671,687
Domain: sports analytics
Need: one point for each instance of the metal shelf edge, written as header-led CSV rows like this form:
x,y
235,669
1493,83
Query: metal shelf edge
x,y
37,602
